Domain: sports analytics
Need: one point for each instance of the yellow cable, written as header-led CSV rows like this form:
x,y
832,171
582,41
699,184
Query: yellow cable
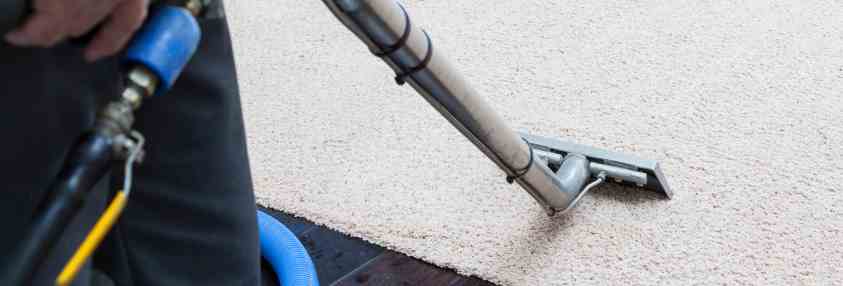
x,y
101,228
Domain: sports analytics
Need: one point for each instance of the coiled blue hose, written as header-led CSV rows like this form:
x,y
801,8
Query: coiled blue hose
x,y
286,254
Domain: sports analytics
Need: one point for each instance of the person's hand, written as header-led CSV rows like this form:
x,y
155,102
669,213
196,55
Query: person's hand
x,y
54,21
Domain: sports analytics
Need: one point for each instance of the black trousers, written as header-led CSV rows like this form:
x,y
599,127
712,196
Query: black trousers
x,y
190,219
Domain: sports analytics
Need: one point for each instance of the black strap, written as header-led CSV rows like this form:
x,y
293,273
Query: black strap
x,y
522,171
399,78
401,41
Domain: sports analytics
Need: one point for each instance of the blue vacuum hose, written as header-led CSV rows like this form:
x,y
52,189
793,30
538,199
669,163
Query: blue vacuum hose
x,y
286,254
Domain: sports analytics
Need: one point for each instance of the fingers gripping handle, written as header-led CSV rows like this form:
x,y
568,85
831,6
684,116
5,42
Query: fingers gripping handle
x,y
165,44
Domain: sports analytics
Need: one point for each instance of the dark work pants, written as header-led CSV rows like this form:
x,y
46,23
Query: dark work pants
x,y
190,219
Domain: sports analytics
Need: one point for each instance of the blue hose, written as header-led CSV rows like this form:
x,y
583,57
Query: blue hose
x,y
286,254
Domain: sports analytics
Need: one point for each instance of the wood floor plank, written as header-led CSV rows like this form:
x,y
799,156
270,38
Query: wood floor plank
x,y
347,261
335,254
392,268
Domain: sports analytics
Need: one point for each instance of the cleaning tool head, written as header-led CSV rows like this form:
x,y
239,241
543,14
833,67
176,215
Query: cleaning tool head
x,y
617,167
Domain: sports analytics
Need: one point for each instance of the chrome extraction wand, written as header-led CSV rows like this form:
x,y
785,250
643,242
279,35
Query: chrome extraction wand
x,y
555,173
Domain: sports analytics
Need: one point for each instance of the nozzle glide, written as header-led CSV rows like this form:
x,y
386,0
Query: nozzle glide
x,y
618,168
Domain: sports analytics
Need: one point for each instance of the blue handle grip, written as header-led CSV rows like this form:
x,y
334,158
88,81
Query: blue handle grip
x,y
165,44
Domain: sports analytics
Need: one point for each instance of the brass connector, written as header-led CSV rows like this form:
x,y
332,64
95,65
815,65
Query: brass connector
x,y
195,7
133,96
141,83
143,78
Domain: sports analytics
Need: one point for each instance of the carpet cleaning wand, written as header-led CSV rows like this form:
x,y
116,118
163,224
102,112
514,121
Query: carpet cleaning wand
x,y
555,173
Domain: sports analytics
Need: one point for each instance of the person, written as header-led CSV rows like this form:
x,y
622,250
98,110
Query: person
x,y
190,219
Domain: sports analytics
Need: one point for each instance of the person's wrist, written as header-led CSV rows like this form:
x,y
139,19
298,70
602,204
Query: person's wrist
x,y
54,21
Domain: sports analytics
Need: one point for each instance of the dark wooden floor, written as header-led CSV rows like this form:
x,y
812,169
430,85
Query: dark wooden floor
x,y
345,261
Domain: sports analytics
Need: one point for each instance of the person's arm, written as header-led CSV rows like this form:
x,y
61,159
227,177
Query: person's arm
x,y
53,21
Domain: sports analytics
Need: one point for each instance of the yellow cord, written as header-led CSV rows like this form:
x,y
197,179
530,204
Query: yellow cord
x,y
101,228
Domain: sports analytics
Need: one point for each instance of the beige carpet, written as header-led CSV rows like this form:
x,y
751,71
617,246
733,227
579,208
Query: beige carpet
x,y
740,101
